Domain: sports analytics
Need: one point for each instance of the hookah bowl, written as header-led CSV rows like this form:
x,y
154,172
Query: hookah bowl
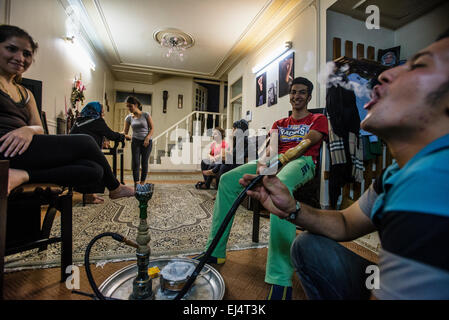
x,y
142,284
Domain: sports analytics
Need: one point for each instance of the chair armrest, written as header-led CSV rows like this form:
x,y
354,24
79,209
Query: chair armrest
x,y
4,170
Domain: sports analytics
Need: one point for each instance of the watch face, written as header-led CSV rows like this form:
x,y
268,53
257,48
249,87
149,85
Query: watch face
x,y
293,215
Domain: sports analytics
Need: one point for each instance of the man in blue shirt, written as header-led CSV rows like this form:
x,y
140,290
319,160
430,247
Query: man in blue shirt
x,y
408,205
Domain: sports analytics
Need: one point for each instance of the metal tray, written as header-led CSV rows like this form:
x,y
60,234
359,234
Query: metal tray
x,y
210,286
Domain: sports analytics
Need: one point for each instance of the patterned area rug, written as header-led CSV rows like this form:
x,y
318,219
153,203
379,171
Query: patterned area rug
x,y
179,217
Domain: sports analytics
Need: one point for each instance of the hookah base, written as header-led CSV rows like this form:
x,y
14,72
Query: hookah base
x,y
119,285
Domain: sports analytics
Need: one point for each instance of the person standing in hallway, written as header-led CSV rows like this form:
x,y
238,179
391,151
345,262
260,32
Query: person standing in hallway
x,y
141,142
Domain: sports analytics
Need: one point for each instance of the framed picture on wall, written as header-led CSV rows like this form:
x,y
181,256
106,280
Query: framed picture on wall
x,y
286,73
389,57
180,101
106,102
261,89
272,94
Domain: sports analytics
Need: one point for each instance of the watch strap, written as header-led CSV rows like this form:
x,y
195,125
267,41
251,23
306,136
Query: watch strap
x,y
292,216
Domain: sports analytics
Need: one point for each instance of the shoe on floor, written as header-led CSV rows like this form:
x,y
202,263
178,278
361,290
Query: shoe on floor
x,y
211,259
279,293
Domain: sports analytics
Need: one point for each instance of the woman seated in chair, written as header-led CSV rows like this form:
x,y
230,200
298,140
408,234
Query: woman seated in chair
x,y
215,158
67,160
91,122
234,156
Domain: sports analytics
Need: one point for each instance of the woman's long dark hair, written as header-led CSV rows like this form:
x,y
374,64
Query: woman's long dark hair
x,y
133,100
8,31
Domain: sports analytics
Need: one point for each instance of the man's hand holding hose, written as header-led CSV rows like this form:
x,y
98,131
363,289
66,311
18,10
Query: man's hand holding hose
x,y
272,193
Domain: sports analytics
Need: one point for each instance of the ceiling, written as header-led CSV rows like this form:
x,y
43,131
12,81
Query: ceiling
x,y
393,14
223,31
122,32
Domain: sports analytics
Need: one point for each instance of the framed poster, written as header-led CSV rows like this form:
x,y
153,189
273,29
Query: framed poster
x,y
389,57
180,101
261,89
272,93
286,73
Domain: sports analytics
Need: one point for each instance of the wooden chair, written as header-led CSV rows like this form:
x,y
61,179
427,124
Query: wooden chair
x,y
373,168
113,151
4,166
21,228
20,217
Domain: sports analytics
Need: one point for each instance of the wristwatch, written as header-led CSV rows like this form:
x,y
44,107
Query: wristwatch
x,y
292,216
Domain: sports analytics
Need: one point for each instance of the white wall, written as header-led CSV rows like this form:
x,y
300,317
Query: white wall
x,y
54,63
412,37
347,28
174,86
302,32
420,33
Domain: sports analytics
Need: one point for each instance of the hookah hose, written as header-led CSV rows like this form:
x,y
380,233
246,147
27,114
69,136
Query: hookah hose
x,y
92,283
290,155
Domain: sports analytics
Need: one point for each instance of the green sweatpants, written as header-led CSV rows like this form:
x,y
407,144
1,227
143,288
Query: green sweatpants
x,y
279,269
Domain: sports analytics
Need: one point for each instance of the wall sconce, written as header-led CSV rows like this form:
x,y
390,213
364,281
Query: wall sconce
x,y
69,39
79,51
287,46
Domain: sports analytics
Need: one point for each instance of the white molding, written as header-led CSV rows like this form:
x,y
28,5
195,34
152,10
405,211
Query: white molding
x,y
52,126
7,11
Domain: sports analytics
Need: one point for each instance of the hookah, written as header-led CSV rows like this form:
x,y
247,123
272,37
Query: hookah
x,y
142,284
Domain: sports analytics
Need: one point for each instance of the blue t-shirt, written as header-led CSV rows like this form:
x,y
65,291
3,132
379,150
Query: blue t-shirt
x,y
412,217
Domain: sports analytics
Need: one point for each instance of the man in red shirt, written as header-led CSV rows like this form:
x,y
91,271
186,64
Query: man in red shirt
x,y
287,133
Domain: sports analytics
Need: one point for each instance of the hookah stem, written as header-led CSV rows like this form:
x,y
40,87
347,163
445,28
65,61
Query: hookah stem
x,y
217,238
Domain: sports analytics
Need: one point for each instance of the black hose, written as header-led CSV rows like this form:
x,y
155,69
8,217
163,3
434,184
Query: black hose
x,y
200,265
217,238
92,283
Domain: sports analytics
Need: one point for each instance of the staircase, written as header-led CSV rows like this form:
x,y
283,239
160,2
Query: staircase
x,y
181,146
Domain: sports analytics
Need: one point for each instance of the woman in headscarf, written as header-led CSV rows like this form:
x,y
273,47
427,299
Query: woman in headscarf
x,y
91,122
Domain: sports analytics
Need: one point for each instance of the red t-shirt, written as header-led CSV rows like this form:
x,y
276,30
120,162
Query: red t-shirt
x,y
215,148
291,132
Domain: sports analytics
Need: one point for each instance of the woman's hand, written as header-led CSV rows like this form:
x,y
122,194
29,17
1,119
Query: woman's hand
x,y
17,141
146,142
272,194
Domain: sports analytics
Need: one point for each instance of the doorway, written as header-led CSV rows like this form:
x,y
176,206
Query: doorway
x,y
235,102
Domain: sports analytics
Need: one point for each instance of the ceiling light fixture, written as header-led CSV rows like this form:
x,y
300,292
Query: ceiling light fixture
x,y
174,41
274,56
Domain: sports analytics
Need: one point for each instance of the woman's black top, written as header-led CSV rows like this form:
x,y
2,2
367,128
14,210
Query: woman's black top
x,y
97,129
13,115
